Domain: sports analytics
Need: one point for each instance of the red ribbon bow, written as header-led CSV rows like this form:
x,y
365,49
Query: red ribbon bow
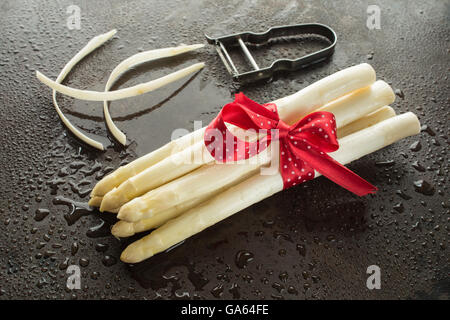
x,y
303,146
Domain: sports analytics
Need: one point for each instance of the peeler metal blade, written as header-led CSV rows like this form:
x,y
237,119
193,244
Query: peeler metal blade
x,y
239,39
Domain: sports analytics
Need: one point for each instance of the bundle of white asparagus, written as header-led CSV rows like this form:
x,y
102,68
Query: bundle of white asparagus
x,y
182,199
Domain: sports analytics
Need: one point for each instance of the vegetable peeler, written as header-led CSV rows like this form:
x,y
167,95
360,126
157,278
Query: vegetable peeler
x,y
239,39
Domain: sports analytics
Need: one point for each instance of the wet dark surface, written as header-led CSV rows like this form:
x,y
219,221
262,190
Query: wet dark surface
x,y
313,241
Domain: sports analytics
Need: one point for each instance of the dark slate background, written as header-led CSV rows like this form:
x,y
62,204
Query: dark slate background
x,y
314,241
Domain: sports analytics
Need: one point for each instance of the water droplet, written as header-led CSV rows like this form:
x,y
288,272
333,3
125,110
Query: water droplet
x,y
217,291
415,146
242,258
100,247
40,214
424,187
74,248
109,261
84,262
399,207
416,165
64,264
399,93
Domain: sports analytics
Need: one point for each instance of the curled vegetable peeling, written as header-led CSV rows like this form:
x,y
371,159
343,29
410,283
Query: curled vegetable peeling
x,y
93,44
138,59
118,94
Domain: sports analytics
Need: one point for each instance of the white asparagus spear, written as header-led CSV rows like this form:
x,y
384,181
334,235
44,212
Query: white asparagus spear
x,y
123,229
93,44
353,106
259,187
152,177
95,201
126,229
344,81
323,91
131,62
140,164
290,109
364,122
121,93
346,109
193,185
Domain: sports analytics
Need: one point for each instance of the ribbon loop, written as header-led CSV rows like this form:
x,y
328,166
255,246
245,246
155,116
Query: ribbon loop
x,y
303,146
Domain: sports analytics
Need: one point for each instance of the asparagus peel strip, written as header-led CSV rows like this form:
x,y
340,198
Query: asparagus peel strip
x,y
259,187
121,93
130,63
290,109
93,44
346,109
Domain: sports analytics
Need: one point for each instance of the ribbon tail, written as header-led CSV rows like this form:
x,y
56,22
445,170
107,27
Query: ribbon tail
x,y
337,173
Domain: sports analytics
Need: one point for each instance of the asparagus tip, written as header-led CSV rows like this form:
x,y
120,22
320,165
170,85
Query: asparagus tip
x,y
38,75
93,201
128,215
133,254
105,184
109,201
123,229
94,192
197,45
112,32
105,205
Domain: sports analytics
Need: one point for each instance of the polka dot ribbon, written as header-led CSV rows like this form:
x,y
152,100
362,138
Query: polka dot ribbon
x,y
303,146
